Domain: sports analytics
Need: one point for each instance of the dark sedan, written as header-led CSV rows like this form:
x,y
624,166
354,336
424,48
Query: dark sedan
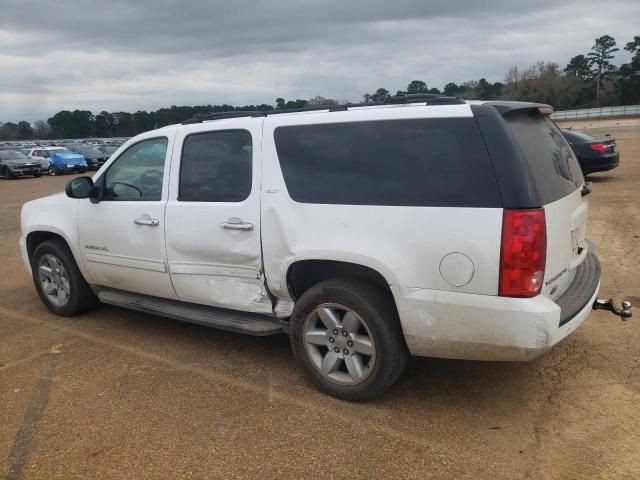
x,y
95,158
594,155
15,164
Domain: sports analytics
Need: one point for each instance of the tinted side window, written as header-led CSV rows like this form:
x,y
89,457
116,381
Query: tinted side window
x,y
137,173
556,173
216,167
416,162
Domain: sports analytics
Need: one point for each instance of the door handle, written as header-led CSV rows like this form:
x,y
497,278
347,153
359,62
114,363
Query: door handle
x,y
234,223
147,220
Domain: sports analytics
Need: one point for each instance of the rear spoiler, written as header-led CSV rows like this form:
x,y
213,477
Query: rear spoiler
x,y
505,108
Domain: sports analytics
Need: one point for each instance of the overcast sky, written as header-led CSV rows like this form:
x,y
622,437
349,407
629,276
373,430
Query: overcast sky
x,y
145,54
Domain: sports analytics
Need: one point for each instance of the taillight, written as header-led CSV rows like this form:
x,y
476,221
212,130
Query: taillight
x,y
523,253
599,147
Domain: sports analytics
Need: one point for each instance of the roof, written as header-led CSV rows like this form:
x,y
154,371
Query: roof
x,y
396,100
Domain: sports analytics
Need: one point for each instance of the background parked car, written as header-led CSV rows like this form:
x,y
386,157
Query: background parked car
x,y
16,164
108,150
59,160
93,155
594,155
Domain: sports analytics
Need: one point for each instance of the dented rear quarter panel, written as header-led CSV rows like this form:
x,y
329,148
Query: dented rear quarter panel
x,y
404,244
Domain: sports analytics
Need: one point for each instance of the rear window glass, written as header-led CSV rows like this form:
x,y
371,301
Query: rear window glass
x,y
555,170
576,136
417,162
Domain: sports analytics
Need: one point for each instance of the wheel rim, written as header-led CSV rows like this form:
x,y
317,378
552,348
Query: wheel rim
x,y
52,171
339,344
54,280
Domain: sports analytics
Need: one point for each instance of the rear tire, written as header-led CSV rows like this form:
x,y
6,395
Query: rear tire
x,y
366,355
59,283
52,171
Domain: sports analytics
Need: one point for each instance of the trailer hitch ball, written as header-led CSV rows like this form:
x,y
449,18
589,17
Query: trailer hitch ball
x,y
624,312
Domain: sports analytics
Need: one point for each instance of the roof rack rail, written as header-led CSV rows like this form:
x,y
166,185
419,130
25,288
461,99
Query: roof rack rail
x,y
429,99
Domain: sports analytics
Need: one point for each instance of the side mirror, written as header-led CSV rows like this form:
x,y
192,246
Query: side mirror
x,y
80,187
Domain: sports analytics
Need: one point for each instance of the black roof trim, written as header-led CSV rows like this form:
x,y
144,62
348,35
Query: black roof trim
x,y
428,99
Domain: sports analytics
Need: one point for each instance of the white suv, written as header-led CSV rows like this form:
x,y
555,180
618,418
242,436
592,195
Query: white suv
x,y
434,228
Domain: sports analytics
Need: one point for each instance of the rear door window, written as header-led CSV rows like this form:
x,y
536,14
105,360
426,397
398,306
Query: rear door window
x,y
216,167
553,166
413,162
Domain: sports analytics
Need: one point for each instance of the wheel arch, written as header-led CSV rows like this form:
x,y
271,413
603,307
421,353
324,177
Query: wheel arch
x,y
304,274
36,237
40,234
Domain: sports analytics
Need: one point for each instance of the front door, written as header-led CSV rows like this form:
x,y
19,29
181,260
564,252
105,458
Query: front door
x,y
213,218
122,236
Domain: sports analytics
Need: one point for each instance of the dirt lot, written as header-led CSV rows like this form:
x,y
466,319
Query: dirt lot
x,y
119,394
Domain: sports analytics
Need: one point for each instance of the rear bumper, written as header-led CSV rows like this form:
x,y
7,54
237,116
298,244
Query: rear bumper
x,y
482,327
600,164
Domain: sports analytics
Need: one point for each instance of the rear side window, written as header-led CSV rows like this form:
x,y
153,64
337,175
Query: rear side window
x,y
216,167
555,170
416,162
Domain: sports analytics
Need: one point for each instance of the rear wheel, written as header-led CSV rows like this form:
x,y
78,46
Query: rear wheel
x,y
346,336
59,283
52,171
37,175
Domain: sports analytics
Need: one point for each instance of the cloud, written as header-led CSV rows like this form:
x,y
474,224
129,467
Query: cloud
x,y
125,55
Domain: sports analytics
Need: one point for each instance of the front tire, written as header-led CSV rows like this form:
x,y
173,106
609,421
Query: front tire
x,y
59,283
8,174
346,336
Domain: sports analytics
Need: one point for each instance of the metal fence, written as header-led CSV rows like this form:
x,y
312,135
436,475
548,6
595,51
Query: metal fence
x,y
623,111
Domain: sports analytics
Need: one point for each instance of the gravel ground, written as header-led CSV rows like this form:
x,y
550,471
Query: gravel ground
x,y
120,394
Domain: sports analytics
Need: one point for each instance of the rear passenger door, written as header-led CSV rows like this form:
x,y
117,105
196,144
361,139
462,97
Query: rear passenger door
x,y
213,217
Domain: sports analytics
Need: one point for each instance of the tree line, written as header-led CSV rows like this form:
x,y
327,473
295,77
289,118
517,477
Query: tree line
x,y
588,80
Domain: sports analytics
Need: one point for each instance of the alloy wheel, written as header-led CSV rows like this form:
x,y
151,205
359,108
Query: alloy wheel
x,y
54,280
339,344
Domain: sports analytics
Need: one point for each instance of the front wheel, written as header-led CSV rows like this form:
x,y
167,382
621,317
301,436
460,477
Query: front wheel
x,y
346,336
37,175
7,173
59,283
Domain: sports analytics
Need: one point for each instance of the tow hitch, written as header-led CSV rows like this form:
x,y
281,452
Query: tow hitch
x,y
624,312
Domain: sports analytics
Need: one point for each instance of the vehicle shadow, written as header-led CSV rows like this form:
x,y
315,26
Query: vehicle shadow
x,y
471,387
602,178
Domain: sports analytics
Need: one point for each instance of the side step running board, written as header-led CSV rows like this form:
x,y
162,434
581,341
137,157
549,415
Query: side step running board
x,y
232,320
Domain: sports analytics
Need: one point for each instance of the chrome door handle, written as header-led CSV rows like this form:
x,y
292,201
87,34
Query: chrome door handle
x,y
147,220
234,223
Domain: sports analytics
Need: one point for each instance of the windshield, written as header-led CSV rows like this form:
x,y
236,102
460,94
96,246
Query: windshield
x,y
11,155
90,151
